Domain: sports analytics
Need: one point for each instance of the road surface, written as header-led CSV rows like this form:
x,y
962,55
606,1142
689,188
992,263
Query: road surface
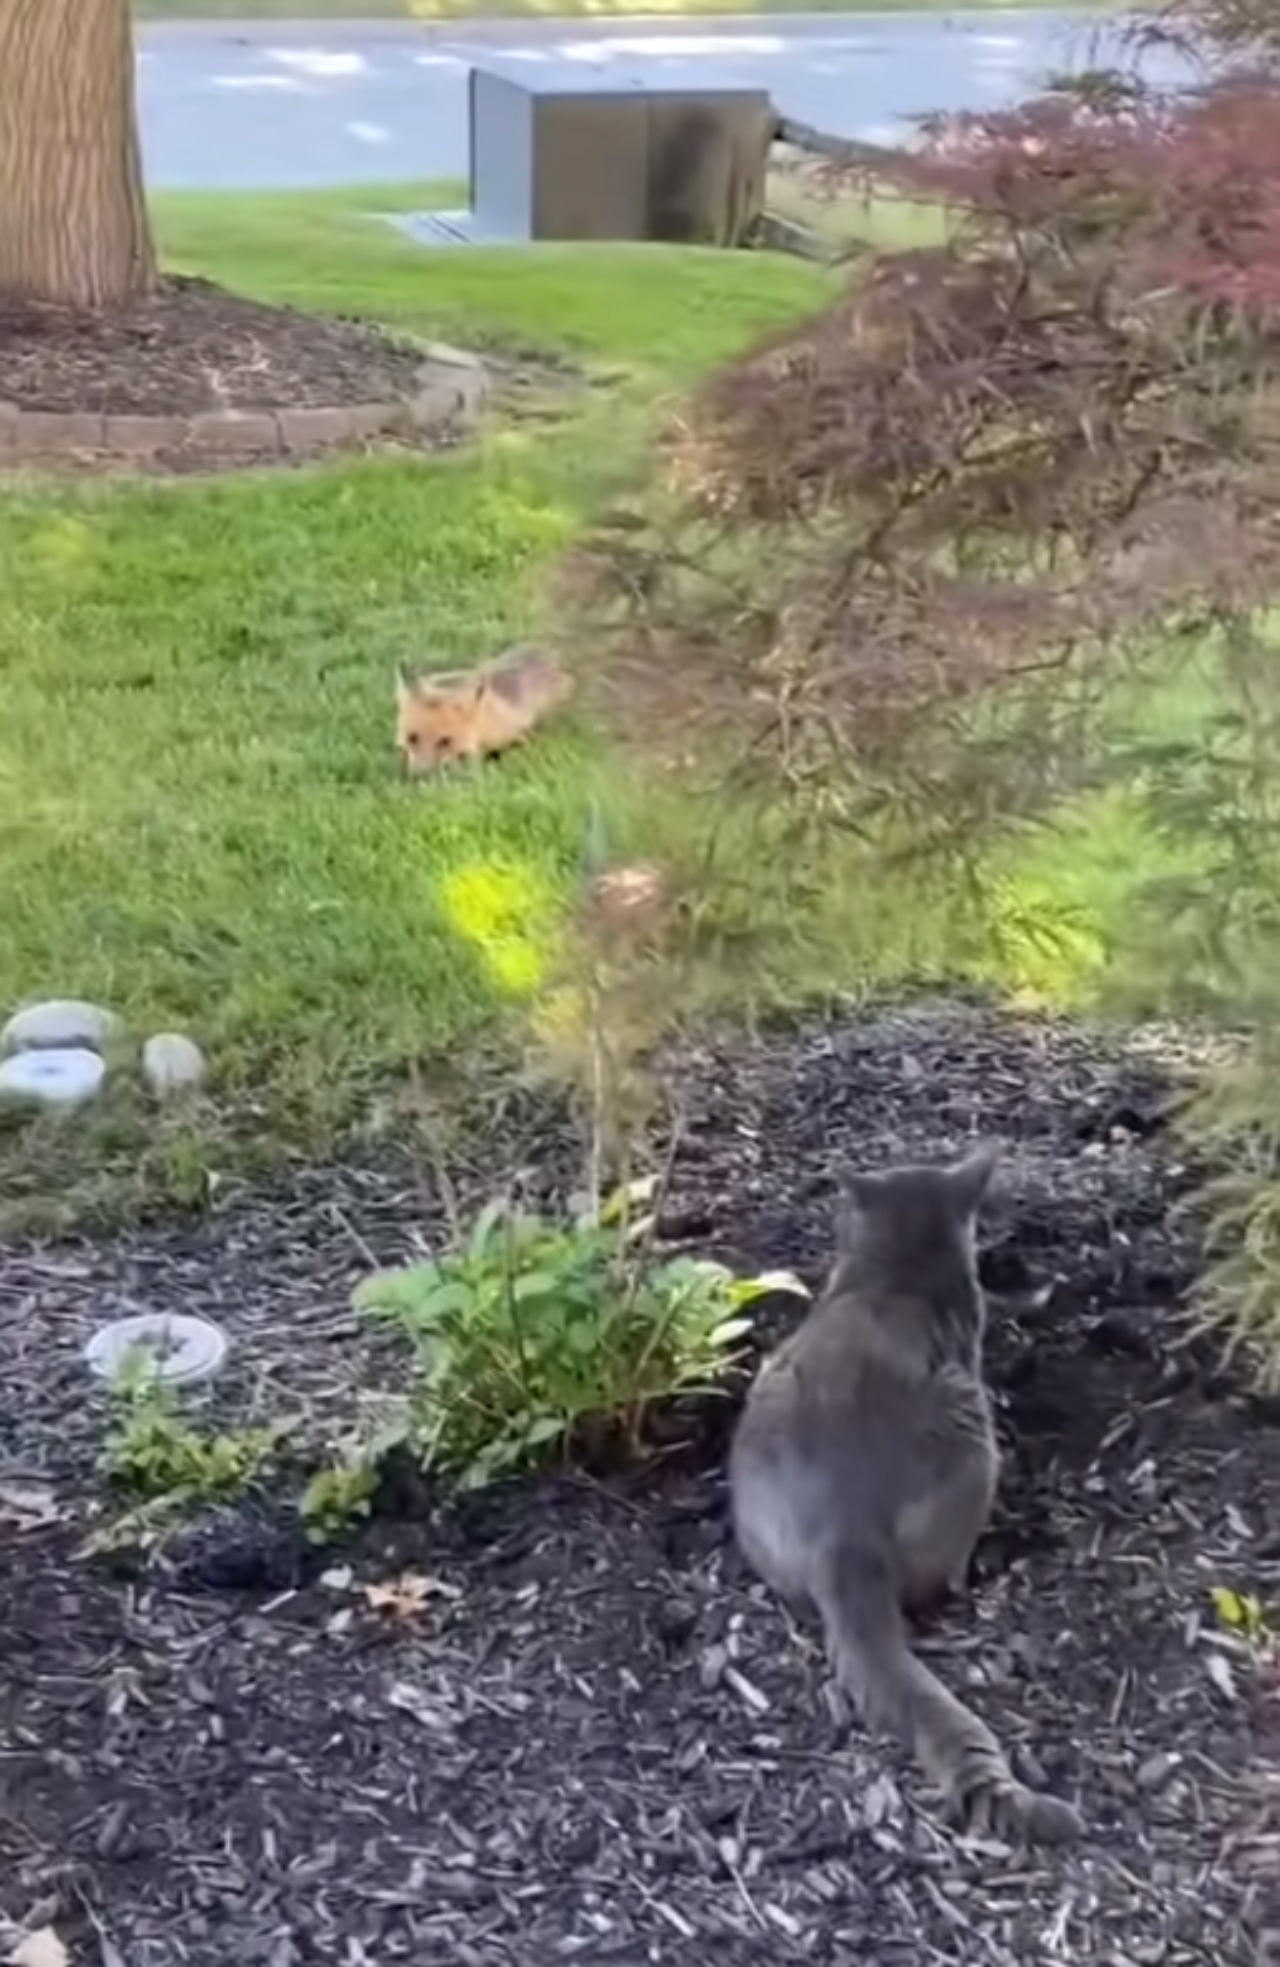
x,y
273,104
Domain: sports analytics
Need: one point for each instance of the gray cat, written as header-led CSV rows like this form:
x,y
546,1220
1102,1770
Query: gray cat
x,y
864,1468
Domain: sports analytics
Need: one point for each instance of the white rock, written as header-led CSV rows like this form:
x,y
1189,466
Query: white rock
x,y
52,1075
61,1022
184,1349
172,1063
449,357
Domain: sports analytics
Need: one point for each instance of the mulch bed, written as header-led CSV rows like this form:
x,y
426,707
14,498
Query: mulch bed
x,y
600,1741
191,347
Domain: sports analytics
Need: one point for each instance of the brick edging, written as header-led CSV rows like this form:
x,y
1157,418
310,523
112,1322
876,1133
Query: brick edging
x,y
451,390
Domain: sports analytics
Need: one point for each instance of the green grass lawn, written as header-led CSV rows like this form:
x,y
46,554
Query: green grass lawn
x,y
201,819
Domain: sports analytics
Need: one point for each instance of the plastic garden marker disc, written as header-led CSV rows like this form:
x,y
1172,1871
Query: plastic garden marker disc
x,y
185,1350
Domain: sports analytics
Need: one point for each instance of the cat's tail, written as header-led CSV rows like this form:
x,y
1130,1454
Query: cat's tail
x,y
867,1637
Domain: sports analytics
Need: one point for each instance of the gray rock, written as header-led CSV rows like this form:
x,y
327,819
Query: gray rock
x,y
449,357
52,1075
172,1063
60,1022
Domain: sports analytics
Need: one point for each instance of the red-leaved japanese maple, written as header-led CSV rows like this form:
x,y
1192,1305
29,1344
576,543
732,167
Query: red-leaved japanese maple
x,y
904,550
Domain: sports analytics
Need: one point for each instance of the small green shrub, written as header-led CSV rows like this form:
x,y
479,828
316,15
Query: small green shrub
x,y
338,1497
537,1332
1232,1126
154,1452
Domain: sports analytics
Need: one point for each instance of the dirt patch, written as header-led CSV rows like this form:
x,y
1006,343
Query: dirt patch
x,y
190,347
600,1740
218,383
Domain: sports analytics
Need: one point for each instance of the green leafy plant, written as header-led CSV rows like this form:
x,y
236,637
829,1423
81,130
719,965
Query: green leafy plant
x,y
153,1450
537,1332
338,1497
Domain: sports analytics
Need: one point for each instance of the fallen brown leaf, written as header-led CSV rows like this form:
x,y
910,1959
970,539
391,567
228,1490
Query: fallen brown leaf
x,y
406,1595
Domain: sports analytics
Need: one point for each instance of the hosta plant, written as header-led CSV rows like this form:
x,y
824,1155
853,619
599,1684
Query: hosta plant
x,y
538,1330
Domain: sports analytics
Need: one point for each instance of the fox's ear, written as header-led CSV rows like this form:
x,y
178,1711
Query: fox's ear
x,y
420,686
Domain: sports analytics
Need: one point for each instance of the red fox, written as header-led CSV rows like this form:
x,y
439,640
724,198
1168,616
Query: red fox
x,y
474,713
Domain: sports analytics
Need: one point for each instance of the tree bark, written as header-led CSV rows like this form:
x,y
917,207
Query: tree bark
x,y
73,215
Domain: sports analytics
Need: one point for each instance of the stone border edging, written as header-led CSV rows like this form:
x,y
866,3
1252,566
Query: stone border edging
x,y
452,387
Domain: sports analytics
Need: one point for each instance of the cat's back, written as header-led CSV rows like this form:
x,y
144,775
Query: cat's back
x,y
843,1363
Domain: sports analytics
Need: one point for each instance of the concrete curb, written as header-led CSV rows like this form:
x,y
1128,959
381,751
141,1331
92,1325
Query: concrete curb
x,y
452,388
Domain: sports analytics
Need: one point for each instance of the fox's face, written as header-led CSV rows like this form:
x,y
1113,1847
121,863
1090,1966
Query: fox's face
x,y
435,721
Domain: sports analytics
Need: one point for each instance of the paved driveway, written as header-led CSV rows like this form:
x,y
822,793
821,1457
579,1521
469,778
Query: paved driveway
x,y
278,104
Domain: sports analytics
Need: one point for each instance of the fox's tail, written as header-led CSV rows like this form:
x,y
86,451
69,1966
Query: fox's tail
x,y
867,1637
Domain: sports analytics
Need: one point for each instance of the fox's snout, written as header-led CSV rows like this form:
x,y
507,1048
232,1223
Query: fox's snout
x,y
420,753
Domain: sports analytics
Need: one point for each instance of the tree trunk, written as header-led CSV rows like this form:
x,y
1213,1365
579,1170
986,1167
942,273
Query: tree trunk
x,y
73,216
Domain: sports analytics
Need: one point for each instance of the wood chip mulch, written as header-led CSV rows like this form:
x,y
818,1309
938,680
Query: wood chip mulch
x,y
598,1740
193,347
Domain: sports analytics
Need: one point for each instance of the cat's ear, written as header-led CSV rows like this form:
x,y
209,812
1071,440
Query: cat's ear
x,y
859,1191
407,683
969,1179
